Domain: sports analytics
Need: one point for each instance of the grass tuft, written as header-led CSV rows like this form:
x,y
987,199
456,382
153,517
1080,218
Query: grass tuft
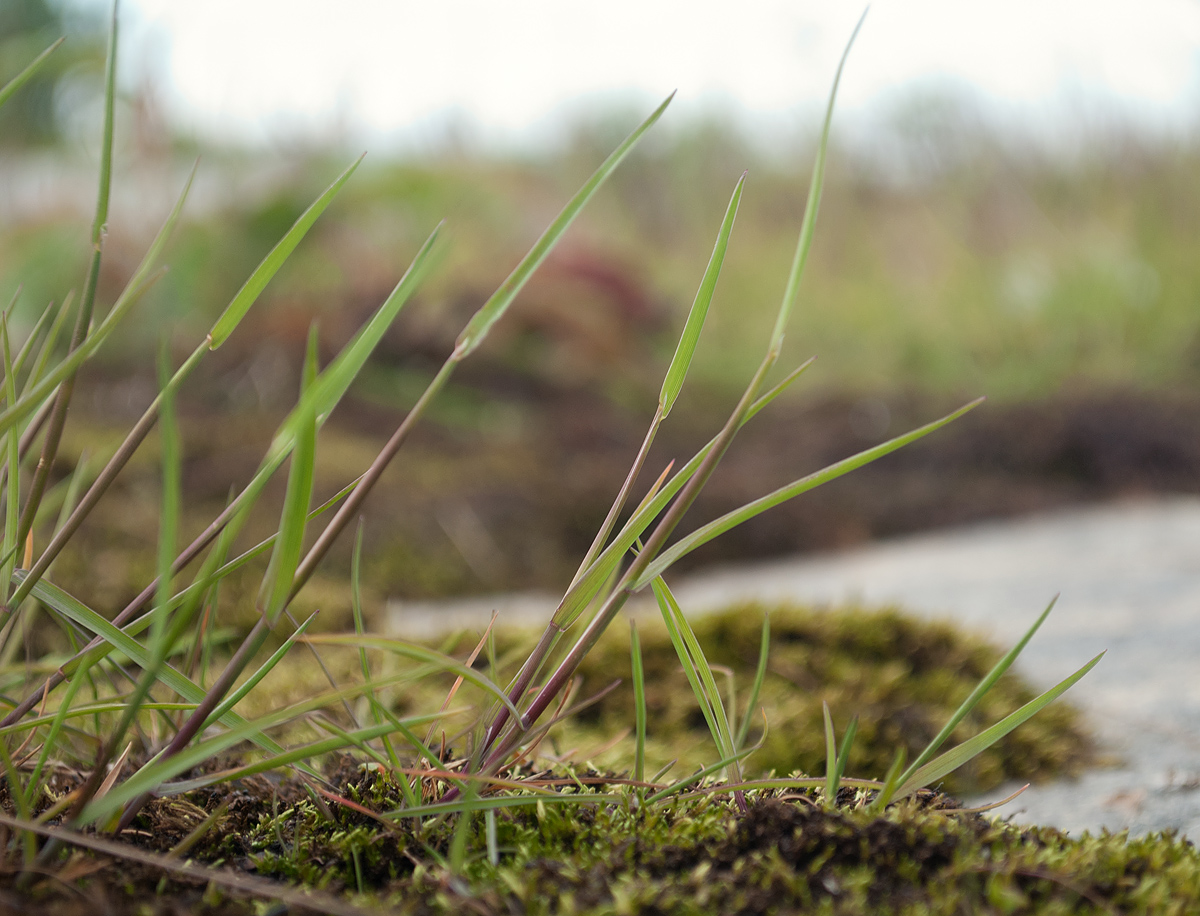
x,y
123,728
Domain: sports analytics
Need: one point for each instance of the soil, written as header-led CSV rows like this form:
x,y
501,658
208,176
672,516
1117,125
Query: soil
x,y
504,491
785,852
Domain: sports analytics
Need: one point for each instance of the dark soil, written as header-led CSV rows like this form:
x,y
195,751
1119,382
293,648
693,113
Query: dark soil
x,y
504,487
784,854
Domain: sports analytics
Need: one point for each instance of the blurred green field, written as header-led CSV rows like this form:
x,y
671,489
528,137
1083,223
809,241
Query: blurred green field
x,y
1068,294
999,276
1006,275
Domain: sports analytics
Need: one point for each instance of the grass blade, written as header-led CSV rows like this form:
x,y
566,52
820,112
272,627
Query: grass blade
x,y
760,675
792,289
257,281
142,279
639,702
281,569
8,545
732,519
686,348
977,694
11,87
491,311
956,757
831,781
699,673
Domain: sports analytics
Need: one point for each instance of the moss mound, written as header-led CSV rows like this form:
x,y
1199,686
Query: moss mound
x,y
599,851
902,677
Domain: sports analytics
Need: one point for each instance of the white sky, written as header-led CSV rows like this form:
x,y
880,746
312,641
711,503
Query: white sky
x,y
397,70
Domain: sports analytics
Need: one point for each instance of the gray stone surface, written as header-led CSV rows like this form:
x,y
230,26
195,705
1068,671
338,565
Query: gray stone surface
x,y
1128,580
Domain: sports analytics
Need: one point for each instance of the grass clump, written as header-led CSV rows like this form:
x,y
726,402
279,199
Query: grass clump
x,y
118,739
901,676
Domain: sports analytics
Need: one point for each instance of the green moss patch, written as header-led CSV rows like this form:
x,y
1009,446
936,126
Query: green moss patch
x,y
596,849
901,676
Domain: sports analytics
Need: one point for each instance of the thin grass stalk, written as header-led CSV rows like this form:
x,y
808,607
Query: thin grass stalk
x,y
163,630
123,619
14,84
760,675
9,543
87,301
639,702
241,658
105,478
328,390
623,591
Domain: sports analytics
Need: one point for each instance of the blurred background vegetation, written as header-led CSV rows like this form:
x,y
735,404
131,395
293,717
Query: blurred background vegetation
x,y
1065,287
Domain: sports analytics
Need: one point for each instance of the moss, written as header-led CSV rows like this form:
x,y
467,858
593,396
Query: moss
x,y
700,854
902,677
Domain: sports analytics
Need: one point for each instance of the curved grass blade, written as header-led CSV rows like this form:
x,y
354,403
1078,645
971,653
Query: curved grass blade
x,y
792,289
976,695
698,671
257,281
760,675
588,585
137,286
11,87
115,638
277,582
686,348
956,757
732,519
491,311
418,652
158,771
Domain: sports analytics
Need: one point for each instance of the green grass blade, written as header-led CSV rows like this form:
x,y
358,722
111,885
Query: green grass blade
x,y
686,349
335,380
262,275
158,771
37,372
589,584
792,289
639,702
699,673
760,675
289,543
11,87
732,519
891,782
264,669
32,337
138,284
977,694
75,610
12,516
831,780
172,486
490,312
701,775
956,757
418,652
